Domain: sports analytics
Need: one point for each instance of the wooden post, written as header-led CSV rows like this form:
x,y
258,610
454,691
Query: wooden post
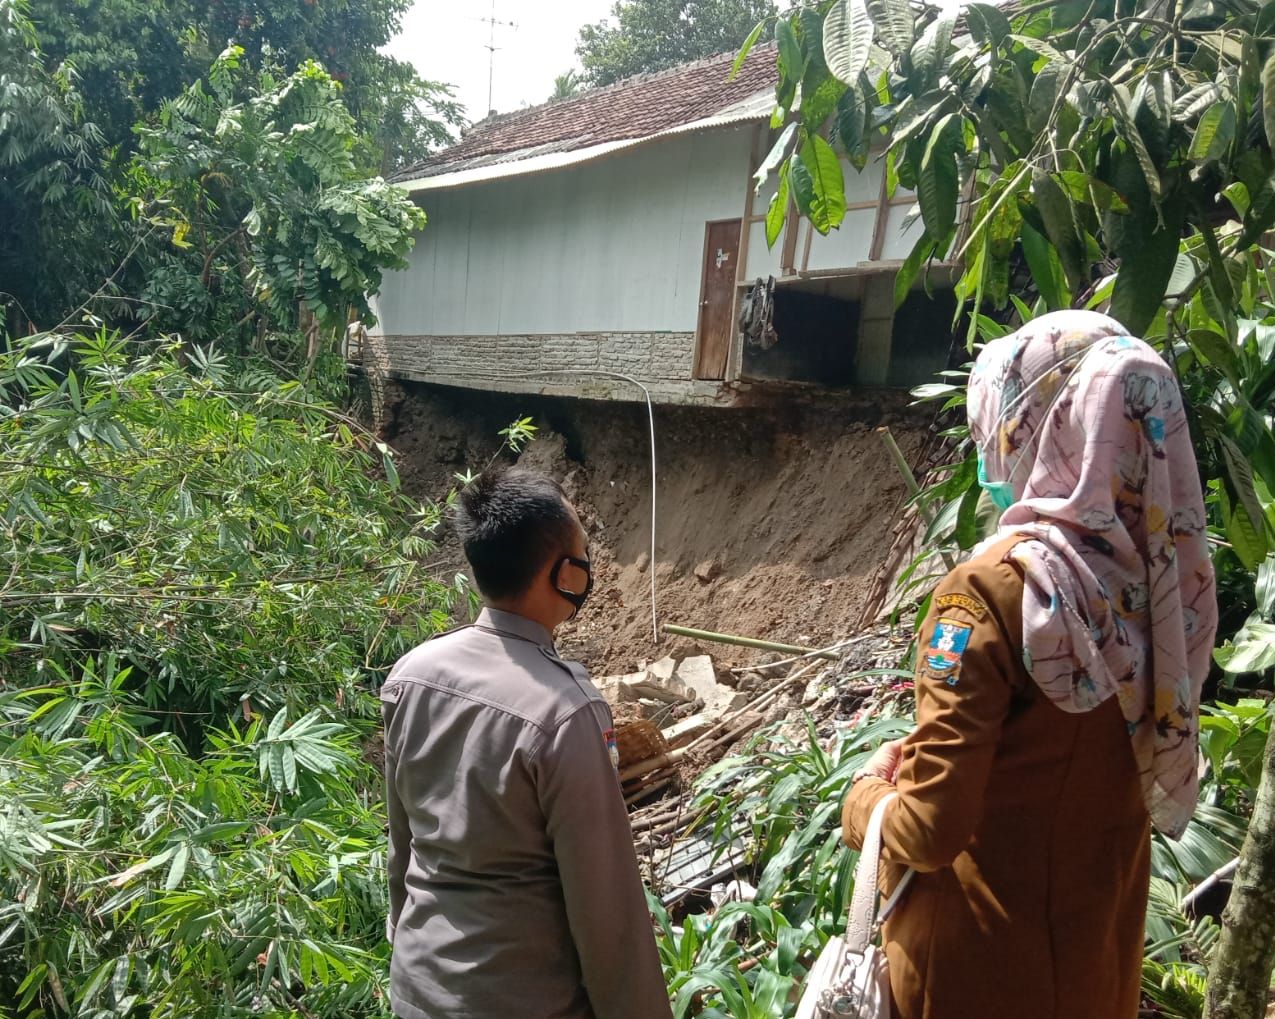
x,y
1240,976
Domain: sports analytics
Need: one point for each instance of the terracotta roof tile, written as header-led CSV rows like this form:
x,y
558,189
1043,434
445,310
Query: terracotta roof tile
x,y
633,108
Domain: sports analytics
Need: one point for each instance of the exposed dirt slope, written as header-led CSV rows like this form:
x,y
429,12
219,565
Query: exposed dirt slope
x,y
771,521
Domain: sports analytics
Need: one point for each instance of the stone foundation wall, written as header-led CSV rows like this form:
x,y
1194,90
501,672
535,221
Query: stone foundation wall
x,y
654,357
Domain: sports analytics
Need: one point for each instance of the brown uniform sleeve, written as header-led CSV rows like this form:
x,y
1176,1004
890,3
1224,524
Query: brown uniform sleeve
x,y
960,707
593,842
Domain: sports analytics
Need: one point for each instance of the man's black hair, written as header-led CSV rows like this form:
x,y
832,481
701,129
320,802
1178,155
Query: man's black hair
x,y
511,521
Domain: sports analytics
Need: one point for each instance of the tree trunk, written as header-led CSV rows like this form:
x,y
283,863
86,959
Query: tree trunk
x,y
1240,977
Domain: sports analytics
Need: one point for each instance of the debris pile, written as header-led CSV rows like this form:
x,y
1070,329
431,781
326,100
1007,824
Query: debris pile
x,y
676,717
668,709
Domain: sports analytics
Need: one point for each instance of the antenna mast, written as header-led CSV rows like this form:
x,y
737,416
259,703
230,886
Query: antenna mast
x,y
491,48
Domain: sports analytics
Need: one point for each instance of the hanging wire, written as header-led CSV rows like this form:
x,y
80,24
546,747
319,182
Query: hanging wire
x,y
650,414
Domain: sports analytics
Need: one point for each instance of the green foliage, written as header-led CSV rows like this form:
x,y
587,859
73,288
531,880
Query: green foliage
x,y
202,573
652,35
54,198
746,959
265,203
1110,159
135,54
567,84
138,879
1101,155
224,533
239,208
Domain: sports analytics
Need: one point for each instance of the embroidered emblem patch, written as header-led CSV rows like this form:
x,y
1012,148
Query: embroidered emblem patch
x,y
608,737
962,601
946,647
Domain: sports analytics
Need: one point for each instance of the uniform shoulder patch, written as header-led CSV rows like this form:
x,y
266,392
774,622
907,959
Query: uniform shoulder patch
x,y
613,751
962,601
946,647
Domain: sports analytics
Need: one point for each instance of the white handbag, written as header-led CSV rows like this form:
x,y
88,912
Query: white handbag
x,y
850,978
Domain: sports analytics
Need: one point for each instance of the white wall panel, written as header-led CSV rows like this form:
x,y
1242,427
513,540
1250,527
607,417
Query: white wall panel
x,y
613,245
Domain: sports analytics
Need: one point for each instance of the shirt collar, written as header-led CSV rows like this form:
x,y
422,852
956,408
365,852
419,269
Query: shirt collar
x,y
519,626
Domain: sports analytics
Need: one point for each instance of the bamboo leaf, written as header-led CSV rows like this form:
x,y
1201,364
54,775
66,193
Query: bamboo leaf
x,y
847,39
177,870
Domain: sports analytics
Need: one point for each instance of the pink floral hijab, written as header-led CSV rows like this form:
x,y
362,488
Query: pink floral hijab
x,y
1087,425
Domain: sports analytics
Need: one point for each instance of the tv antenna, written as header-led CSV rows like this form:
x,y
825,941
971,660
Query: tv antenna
x,y
491,48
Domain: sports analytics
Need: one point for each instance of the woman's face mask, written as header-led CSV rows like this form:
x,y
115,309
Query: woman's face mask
x,y
1000,492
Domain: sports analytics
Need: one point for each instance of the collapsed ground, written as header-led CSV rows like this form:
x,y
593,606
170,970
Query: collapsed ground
x,y
775,522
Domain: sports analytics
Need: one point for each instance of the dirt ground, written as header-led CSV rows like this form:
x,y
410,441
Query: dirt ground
x,y
771,522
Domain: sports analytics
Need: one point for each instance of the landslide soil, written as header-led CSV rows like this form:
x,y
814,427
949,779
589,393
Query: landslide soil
x,y
771,521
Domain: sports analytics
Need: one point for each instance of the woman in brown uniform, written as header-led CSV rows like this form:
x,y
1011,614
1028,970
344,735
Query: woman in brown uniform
x,y
1057,688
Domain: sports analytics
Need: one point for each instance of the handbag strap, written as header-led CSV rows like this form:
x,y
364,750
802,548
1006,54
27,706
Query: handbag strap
x,y
864,916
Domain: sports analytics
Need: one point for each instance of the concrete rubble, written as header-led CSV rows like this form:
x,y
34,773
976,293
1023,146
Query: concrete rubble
x,y
657,685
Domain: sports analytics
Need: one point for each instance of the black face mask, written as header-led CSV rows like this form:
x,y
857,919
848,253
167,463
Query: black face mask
x,y
576,598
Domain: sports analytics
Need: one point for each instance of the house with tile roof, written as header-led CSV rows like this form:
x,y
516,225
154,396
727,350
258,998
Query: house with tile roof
x,y
615,237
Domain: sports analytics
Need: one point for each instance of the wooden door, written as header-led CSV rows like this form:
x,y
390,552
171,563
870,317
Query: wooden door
x,y
717,299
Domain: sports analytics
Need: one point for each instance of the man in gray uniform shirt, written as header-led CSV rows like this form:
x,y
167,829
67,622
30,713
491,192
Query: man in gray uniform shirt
x,y
514,889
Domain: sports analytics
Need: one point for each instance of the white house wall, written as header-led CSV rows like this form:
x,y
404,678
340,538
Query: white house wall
x,y
614,246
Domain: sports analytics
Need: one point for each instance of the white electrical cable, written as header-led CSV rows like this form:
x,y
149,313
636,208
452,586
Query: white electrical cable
x,y
650,413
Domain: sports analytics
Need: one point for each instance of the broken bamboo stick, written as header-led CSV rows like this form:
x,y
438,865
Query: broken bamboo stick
x,y
648,790
730,638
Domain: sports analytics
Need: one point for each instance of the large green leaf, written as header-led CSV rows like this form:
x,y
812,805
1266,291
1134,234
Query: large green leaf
x,y
1213,134
1060,227
895,23
929,54
938,185
1144,274
777,212
1044,95
1046,269
1153,113
987,23
819,184
921,252
778,152
849,122
1268,99
1128,131
1252,651
1265,588
847,39
746,48
1239,473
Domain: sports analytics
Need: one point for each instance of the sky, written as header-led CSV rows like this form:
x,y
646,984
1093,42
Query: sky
x,y
447,42
536,41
